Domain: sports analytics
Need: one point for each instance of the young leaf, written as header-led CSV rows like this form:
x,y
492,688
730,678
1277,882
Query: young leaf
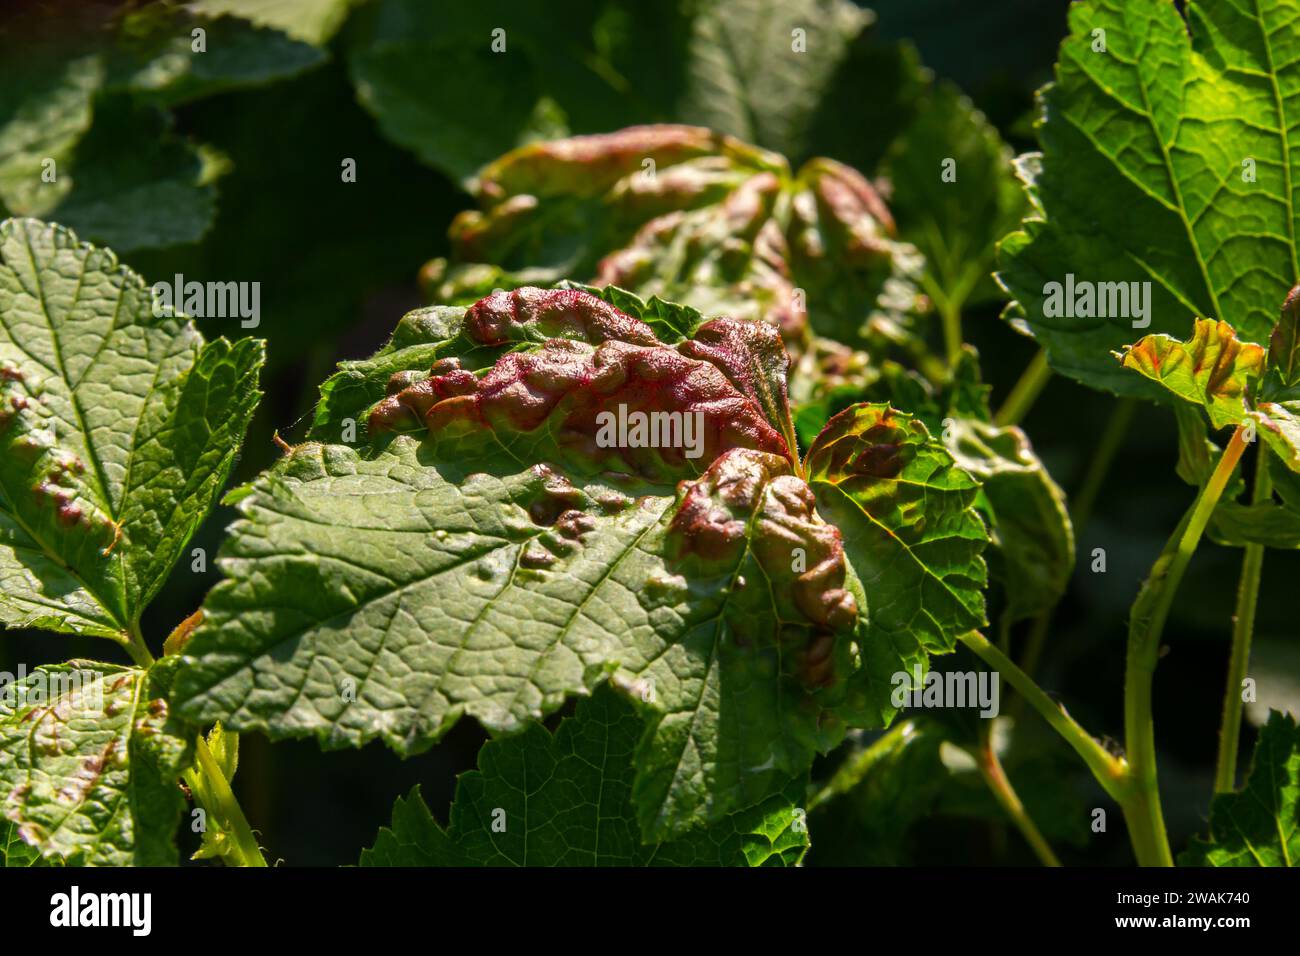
x,y
1259,825
1165,162
1278,423
1213,368
566,800
709,587
1216,370
89,761
118,428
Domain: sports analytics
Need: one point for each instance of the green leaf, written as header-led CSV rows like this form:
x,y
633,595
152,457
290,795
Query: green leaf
x,y
955,220
539,799
499,67
758,69
1165,161
1217,371
153,54
1213,368
119,429
312,21
45,109
708,587
186,444
124,179
1259,825
159,193
13,851
1033,539
910,529
89,761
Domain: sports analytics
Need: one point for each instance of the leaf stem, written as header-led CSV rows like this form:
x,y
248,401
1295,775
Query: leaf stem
x,y
950,313
133,641
1146,624
1109,771
213,792
1243,628
986,758
1025,392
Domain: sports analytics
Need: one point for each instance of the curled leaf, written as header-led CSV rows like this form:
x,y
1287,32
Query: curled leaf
x,y
910,530
600,390
1213,368
684,213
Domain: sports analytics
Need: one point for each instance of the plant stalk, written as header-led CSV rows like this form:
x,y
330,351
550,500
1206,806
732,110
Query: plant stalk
x,y
1243,628
1025,392
133,642
212,791
950,313
1109,771
1146,624
991,769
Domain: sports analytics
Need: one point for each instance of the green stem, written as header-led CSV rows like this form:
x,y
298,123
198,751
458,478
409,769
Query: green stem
x,y
212,790
1025,392
950,313
1132,782
1243,628
133,642
1146,625
991,769
1109,771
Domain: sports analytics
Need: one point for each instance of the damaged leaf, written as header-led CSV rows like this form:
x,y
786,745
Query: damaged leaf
x,y
118,429
687,214
712,588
